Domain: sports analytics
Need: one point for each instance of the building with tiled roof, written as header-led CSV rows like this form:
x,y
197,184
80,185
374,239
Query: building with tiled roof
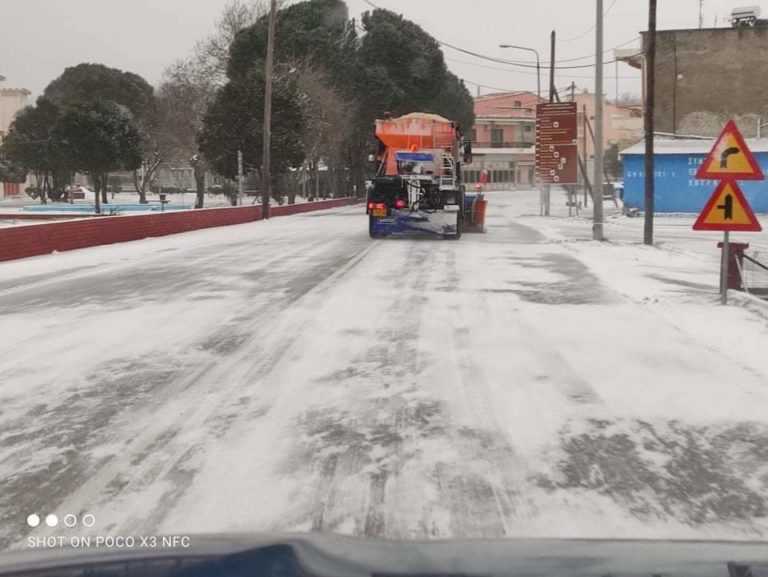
x,y
503,140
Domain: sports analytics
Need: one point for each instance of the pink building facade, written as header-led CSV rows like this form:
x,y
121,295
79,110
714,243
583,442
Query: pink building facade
x,y
622,126
503,140
504,135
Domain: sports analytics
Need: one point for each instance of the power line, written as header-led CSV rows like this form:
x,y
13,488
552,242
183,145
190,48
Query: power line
x,y
521,63
588,30
513,63
587,57
510,90
500,69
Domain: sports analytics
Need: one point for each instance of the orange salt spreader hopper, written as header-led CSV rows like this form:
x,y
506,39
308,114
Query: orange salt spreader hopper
x,y
415,132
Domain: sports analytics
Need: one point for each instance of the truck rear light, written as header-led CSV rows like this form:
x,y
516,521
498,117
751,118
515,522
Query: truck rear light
x,y
380,205
371,205
399,203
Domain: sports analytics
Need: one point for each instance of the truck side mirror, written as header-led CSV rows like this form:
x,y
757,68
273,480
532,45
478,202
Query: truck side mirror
x,y
467,153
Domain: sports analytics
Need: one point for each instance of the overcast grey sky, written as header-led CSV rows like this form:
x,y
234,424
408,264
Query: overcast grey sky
x,y
40,38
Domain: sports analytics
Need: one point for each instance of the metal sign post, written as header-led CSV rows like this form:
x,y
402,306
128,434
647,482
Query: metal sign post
x,y
724,268
728,209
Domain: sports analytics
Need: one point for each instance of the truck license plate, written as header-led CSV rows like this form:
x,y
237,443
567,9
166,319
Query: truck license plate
x,y
379,212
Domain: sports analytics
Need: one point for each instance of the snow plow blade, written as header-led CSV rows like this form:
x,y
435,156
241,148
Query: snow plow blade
x,y
414,223
474,212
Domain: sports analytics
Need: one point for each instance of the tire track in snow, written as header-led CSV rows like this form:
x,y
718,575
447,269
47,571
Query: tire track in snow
x,y
155,454
367,440
483,489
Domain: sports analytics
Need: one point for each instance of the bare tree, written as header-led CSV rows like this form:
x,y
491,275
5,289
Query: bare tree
x,y
189,86
150,162
212,54
183,98
629,99
328,123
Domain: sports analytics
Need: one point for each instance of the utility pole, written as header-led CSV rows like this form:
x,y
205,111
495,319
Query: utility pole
x,y
597,187
266,171
585,170
650,98
552,69
701,14
239,177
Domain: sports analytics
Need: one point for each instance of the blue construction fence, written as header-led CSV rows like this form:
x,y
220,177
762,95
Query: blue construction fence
x,y
676,187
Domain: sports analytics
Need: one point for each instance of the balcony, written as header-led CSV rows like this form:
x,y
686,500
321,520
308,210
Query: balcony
x,y
502,144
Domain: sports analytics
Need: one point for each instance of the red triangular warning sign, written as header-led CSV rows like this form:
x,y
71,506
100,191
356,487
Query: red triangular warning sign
x,y
730,159
728,209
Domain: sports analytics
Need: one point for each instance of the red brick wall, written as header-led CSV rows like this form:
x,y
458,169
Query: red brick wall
x,y
25,241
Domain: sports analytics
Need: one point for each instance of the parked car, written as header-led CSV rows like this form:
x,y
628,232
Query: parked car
x,y
618,189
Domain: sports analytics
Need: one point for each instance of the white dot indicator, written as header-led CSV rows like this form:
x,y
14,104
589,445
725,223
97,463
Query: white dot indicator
x,y
70,520
33,520
51,520
89,520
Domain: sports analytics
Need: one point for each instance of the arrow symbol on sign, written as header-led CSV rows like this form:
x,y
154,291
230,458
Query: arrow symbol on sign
x,y
726,153
727,206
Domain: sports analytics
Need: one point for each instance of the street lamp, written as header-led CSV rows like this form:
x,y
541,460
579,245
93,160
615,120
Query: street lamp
x,y
538,63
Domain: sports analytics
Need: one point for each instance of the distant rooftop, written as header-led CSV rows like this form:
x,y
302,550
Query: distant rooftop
x,y
504,95
690,146
15,90
507,105
632,56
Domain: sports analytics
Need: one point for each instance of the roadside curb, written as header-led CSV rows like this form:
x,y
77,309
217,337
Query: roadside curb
x,y
29,240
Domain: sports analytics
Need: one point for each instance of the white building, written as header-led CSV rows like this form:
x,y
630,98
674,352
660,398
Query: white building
x,y
12,100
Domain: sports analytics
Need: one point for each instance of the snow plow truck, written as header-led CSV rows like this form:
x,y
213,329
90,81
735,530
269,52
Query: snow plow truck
x,y
418,188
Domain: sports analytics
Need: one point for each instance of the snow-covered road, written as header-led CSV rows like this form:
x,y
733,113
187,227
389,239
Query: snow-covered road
x,y
294,375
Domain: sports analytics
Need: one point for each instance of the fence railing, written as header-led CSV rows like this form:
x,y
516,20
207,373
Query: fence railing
x,y
755,275
502,144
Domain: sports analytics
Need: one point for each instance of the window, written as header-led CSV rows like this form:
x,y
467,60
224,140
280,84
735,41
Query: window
x,y
497,138
518,104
